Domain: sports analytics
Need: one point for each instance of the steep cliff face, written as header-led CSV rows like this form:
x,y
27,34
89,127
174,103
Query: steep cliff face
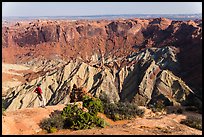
x,y
72,39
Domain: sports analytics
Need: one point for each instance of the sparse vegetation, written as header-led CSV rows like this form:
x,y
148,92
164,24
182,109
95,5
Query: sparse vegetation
x,y
179,111
191,108
53,123
53,129
120,110
174,109
158,106
193,122
3,106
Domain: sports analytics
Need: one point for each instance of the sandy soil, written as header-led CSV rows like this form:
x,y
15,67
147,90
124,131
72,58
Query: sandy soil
x,y
25,121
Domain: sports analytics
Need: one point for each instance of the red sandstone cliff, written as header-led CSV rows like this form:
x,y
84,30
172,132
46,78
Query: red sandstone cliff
x,y
71,39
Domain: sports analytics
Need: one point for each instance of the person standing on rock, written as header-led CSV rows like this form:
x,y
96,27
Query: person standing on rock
x,y
38,90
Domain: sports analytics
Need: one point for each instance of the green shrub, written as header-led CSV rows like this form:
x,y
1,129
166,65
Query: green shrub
x,y
116,117
76,118
73,117
191,108
54,121
45,124
3,106
122,110
174,109
157,106
179,111
94,105
104,98
52,130
193,122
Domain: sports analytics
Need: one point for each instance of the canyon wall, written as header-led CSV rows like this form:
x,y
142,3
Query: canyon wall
x,y
138,60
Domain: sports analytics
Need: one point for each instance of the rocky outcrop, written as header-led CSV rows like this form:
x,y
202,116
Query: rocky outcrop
x,y
143,77
57,85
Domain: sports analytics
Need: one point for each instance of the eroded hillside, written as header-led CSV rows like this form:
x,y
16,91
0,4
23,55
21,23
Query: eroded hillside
x,y
139,60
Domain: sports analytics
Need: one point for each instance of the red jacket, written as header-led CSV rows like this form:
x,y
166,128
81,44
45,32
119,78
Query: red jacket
x,y
38,90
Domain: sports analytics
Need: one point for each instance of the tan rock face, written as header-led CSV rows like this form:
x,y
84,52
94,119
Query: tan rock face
x,y
142,79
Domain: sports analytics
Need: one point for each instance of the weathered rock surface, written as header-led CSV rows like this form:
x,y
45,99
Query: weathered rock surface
x,y
104,38
138,60
143,77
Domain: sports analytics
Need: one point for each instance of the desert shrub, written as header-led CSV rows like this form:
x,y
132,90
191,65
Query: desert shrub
x,y
179,111
191,108
54,122
104,98
52,130
174,109
158,106
122,110
76,118
193,122
3,106
73,117
197,109
46,124
94,105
